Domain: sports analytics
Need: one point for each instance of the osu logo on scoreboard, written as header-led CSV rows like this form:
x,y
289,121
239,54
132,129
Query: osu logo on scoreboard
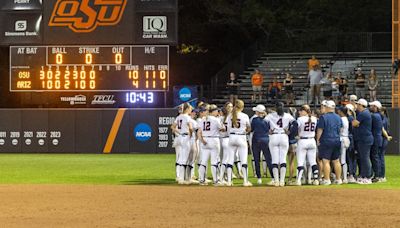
x,y
83,16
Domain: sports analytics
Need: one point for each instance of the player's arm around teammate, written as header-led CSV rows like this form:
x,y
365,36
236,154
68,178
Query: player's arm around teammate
x,y
224,137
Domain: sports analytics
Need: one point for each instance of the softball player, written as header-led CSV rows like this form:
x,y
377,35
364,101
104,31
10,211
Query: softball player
x,y
183,128
238,127
224,138
307,147
208,134
279,142
344,138
194,151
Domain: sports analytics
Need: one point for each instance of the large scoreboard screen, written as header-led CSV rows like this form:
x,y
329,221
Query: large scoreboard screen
x,y
104,68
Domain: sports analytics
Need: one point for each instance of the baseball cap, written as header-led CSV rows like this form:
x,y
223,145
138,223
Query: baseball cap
x,y
259,108
363,102
353,97
330,104
376,103
359,69
324,103
350,107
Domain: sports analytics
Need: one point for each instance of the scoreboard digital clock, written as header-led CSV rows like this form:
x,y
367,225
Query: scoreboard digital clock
x,y
105,68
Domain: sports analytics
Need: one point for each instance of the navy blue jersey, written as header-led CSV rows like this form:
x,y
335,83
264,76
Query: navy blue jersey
x,y
331,123
377,126
351,128
260,128
363,133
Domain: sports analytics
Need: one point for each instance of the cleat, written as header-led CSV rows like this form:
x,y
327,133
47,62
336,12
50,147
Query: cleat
x,y
338,182
218,184
351,180
383,180
193,181
181,182
297,183
229,184
271,183
208,181
345,181
282,183
259,181
247,184
276,183
315,182
203,183
326,182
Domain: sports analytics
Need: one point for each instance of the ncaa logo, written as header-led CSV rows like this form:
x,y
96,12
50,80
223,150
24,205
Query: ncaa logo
x,y
185,94
142,132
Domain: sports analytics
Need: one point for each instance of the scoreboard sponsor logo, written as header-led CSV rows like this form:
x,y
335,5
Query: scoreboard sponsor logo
x,y
103,100
76,100
142,132
21,27
84,16
155,27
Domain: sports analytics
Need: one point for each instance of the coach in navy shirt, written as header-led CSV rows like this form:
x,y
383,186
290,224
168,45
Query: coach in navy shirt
x,y
377,126
365,140
260,140
328,140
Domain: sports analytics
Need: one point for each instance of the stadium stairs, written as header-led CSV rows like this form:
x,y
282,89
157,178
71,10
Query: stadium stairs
x,y
278,64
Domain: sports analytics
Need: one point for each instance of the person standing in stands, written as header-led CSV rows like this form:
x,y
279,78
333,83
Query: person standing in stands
x,y
257,80
395,66
343,86
364,140
372,85
326,84
360,83
288,87
313,62
233,87
274,89
314,78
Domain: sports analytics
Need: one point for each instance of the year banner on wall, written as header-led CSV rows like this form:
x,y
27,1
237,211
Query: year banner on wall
x,y
86,130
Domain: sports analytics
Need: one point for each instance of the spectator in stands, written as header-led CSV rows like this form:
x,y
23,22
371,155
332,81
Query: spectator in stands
x,y
360,83
326,84
274,89
372,85
314,78
233,87
335,89
257,80
343,86
313,62
395,66
288,87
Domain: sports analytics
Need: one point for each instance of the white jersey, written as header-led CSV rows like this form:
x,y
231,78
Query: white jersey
x,y
210,126
195,127
224,134
306,128
182,124
242,122
278,124
345,130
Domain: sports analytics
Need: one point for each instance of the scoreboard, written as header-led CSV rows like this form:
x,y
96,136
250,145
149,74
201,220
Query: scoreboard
x,y
101,68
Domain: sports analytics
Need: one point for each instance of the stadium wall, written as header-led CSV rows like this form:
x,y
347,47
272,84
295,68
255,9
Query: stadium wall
x,y
102,130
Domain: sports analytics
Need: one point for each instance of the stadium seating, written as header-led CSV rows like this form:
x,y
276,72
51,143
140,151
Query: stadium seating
x,y
278,64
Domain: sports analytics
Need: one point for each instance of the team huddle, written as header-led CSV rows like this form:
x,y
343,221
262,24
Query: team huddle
x,y
333,144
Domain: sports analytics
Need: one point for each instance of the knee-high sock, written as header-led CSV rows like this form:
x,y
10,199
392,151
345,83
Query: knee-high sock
x,y
310,173
181,174
218,169
222,172
300,171
214,169
177,167
244,172
315,172
202,173
283,172
344,170
275,171
229,172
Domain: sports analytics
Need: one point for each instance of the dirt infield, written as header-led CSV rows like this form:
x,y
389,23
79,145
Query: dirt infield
x,y
187,206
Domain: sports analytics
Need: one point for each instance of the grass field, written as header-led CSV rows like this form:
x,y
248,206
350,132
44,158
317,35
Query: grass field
x,y
118,169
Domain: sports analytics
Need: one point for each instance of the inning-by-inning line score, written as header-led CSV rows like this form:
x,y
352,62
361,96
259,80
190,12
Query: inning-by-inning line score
x,y
104,68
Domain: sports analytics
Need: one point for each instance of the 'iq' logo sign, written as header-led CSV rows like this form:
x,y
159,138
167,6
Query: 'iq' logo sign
x,y
142,132
185,94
